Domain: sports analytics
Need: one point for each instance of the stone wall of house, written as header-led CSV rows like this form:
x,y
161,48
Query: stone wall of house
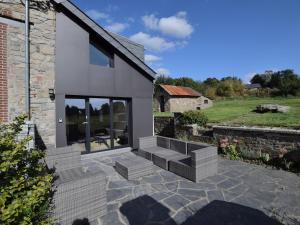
x,y
3,70
157,98
182,104
42,66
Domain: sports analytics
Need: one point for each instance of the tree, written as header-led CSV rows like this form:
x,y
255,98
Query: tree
x,y
212,82
186,82
162,79
286,81
25,190
225,89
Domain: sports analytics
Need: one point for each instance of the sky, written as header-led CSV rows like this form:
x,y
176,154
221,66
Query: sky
x,y
206,38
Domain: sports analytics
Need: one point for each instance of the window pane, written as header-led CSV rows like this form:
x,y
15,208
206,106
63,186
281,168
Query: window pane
x,y
75,122
120,123
98,57
99,124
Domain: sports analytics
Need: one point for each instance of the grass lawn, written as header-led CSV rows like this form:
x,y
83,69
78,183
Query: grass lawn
x,y
163,114
241,112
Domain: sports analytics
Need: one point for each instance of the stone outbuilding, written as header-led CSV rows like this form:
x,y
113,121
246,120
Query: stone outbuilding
x,y
169,98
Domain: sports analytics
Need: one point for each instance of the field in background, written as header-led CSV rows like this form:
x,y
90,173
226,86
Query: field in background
x,y
240,112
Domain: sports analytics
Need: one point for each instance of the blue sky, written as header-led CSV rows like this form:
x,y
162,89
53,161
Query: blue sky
x,y
207,38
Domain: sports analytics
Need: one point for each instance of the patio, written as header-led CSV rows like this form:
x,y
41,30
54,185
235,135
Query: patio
x,y
240,193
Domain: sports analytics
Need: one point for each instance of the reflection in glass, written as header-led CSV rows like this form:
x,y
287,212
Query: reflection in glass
x,y
76,122
100,57
99,124
120,123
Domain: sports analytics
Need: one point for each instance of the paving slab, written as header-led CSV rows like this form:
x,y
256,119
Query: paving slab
x,y
167,199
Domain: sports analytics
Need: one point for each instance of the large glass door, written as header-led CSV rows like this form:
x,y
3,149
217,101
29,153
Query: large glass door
x,y
76,122
100,129
97,124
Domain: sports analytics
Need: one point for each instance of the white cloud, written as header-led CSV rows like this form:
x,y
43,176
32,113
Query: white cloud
x,y
117,27
97,15
152,42
247,77
175,26
163,71
152,58
151,21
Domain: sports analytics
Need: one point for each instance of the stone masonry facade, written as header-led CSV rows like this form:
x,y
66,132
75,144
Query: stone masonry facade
x,y
179,103
42,65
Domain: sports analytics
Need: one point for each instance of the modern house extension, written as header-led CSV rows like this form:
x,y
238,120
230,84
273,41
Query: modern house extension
x,y
88,87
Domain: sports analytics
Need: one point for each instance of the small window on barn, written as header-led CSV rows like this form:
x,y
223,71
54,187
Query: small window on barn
x,y
99,56
205,101
198,108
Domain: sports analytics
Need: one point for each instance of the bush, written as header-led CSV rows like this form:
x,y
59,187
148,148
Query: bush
x,y
25,185
194,117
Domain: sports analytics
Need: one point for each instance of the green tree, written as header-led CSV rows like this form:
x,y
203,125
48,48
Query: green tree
x,y
164,80
25,185
286,81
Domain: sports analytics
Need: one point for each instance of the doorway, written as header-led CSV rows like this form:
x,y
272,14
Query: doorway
x,y
97,124
162,103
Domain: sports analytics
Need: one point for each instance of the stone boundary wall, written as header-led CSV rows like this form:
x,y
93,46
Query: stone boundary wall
x,y
260,140
164,126
251,139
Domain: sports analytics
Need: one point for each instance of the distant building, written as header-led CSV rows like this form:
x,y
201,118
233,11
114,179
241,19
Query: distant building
x,y
169,98
254,86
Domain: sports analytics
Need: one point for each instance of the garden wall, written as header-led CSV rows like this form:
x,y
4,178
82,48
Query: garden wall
x,y
260,140
250,139
164,126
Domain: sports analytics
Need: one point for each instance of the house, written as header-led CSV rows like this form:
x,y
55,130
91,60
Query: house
x,y
169,98
87,86
255,86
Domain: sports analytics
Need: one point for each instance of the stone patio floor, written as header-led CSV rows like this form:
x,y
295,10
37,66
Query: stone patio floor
x,y
240,193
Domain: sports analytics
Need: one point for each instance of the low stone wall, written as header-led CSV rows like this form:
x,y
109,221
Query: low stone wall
x,y
254,141
260,140
164,126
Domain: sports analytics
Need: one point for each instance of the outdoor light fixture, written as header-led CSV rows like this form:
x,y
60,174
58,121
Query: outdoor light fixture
x,y
51,94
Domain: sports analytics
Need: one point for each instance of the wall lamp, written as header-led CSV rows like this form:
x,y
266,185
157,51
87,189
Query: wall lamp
x,y
52,93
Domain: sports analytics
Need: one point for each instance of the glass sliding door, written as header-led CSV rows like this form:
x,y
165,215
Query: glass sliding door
x,y
97,124
76,122
100,128
120,123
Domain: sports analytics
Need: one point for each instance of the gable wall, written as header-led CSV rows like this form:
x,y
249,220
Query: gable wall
x,y
76,76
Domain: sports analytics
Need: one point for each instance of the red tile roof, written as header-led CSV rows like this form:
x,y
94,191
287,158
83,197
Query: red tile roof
x,y
180,91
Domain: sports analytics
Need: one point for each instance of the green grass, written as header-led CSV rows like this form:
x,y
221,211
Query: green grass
x,y
240,112
163,114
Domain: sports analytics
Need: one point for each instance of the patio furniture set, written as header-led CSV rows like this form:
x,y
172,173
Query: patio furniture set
x,y
81,193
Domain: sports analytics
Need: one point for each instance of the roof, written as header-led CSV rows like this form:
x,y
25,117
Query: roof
x,y
106,35
251,86
180,91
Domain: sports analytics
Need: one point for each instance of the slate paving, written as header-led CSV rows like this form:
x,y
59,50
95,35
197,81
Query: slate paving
x,y
240,193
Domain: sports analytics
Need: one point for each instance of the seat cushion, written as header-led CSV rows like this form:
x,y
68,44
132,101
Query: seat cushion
x,y
162,158
148,152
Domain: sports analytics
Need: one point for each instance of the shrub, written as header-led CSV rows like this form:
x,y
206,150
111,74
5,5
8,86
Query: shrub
x,y
194,117
231,151
25,185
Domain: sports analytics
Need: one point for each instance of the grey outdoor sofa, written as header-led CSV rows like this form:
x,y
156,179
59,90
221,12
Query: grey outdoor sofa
x,y
79,192
194,161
